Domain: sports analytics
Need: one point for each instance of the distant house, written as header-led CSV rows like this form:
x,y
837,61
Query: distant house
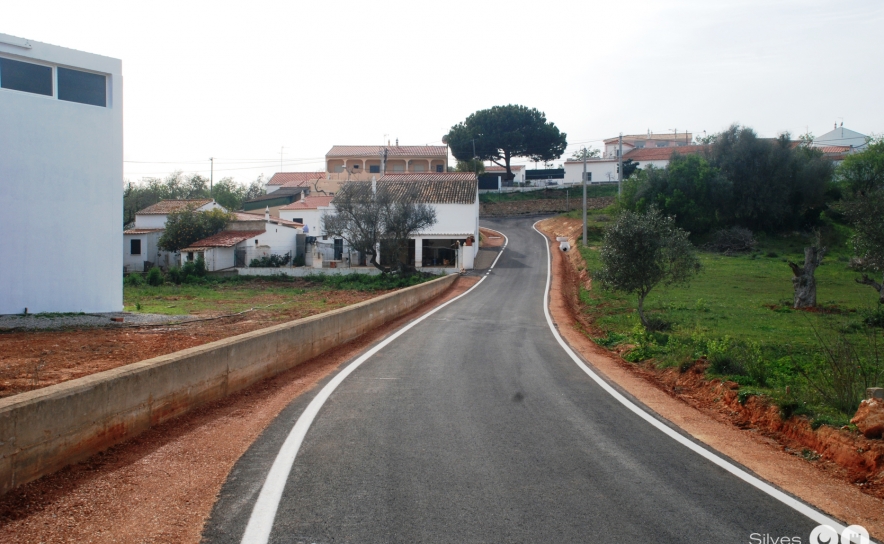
x,y
645,141
840,137
141,242
308,211
281,180
359,162
603,170
518,171
455,197
275,200
249,236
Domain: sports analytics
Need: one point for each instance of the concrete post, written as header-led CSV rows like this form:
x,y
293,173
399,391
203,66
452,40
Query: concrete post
x,y
418,252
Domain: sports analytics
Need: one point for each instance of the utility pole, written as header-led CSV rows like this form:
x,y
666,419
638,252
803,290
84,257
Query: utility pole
x,y
620,167
211,173
584,197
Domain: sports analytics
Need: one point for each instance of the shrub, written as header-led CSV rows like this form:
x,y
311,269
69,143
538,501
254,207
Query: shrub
x,y
199,268
134,279
175,275
272,261
732,240
874,318
300,260
155,277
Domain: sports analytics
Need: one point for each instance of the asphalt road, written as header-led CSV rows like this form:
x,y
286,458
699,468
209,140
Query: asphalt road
x,y
475,426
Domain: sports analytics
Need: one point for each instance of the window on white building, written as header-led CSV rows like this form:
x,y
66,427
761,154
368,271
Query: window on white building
x,y
135,246
374,169
25,76
82,87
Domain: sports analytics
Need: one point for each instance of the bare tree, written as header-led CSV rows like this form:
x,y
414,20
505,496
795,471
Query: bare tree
x,y
804,280
379,220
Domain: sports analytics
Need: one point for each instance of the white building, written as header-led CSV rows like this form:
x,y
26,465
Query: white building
x,y
841,136
605,169
250,236
141,242
598,170
645,141
308,211
61,169
518,171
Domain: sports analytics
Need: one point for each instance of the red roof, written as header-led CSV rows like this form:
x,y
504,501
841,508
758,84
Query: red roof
x,y
513,167
392,151
142,231
164,207
833,148
661,153
431,176
246,216
225,238
309,203
294,179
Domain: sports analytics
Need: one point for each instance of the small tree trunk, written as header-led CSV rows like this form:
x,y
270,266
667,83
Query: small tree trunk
x,y
875,285
804,280
641,311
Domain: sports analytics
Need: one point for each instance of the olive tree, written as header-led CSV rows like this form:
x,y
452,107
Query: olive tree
x,y
642,250
379,220
862,179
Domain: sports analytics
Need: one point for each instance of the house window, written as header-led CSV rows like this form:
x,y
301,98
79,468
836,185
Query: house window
x,y
355,167
639,145
439,167
662,144
135,246
374,169
298,220
339,168
82,87
418,168
25,76
398,168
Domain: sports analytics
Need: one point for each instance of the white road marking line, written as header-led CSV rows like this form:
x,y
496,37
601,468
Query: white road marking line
x,y
264,512
797,505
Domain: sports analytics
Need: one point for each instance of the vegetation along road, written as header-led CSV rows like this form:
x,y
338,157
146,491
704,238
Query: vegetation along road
x,y
476,425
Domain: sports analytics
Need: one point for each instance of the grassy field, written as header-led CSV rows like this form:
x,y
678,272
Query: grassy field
x,y
737,313
592,191
230,295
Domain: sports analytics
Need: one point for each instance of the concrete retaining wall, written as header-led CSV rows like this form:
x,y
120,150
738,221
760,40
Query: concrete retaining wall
x,y
44,430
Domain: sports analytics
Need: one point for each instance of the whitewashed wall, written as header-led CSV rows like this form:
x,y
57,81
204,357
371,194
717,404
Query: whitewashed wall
x,y
61,172
312,218
158,220
149,251
599,168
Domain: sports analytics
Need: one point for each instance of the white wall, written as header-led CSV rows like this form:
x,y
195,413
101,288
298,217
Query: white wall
x,y
158,220
599,169
61,171
149,251
312,218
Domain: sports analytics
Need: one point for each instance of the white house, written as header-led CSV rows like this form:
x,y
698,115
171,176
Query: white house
x,y
841,136
141,242
645,141
598,170
602,170
250,236
308,211
518,171
452,241
61,158
292,179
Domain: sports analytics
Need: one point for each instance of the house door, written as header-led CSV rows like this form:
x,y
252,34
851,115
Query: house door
x,y
339,249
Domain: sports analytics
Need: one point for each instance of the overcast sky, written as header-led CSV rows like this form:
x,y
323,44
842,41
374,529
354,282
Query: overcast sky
x,y
240,80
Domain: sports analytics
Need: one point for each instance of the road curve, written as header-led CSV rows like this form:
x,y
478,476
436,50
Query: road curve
x,y
476,426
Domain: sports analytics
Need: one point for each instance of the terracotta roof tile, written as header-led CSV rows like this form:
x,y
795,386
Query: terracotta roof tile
x,y
662,153
246,216
392,151
666,137
446,188
294,179
142,231
309,203
225,238
164,207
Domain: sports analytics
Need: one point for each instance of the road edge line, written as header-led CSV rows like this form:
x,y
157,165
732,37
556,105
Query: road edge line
x,y
754,481
263,514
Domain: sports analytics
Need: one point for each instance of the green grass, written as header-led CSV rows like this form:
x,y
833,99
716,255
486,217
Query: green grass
x,y
592,191
738,302
238,293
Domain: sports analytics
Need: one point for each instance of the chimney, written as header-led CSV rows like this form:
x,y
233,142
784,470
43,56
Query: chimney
x,y
267,213
397,142
302,196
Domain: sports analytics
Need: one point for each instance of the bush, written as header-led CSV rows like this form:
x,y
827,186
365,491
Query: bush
x,y
732,240
874,318
175,275
134,280
273,261
300,260
155,277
